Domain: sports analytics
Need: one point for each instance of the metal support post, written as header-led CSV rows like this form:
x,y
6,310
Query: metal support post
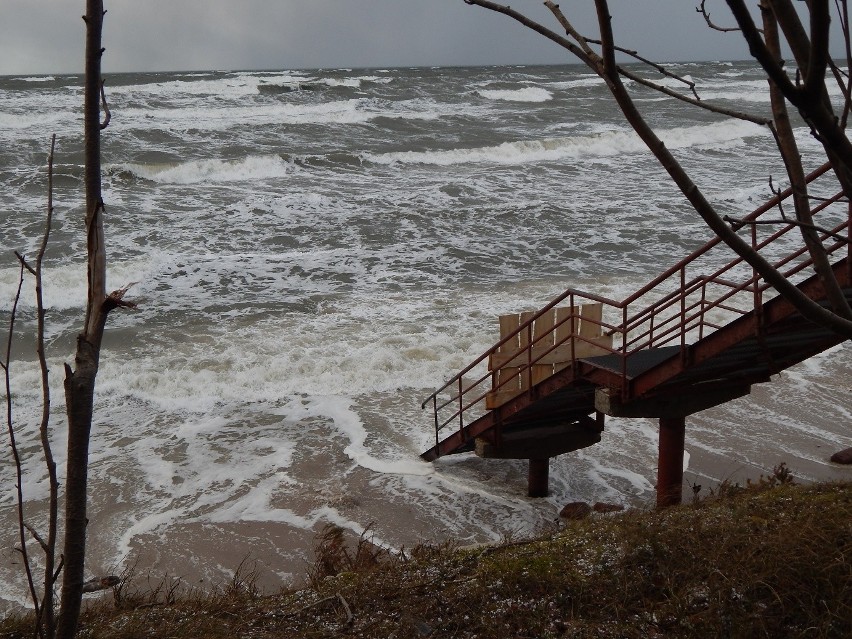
x,y
670,464
537,485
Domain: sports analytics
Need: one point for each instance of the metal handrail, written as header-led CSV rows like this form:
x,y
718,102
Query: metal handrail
x,y
665,320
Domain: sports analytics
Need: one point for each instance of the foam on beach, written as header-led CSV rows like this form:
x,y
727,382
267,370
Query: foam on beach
x,y
314,252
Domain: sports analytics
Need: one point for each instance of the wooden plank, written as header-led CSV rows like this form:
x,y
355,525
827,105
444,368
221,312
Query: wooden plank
x,y
508,326
511,377
506,382
495,399
590,320
524,338
563,332
543,339
559,355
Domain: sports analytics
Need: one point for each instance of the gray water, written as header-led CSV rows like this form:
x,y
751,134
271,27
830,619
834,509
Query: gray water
x,y
313,252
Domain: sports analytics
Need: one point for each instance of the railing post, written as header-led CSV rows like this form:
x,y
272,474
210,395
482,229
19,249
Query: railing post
x,y
683,314
529,358
571,332
758,294
624,394
435,413
849,243
461,409
651,330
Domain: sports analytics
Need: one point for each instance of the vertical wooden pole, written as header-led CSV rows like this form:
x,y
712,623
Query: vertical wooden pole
x,y
670,464
537,484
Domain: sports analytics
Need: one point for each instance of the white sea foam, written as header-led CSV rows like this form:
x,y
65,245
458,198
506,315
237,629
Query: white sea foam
x,y
296,305
604,145
563,85
223,117
230,87
43,121
527,94
207,171
64,287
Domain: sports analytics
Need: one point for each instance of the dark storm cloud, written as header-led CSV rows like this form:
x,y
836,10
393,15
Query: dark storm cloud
x,y
45,36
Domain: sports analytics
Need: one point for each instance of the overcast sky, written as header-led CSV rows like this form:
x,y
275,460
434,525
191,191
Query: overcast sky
x,y
46,36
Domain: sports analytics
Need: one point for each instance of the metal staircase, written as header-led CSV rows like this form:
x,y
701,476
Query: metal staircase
x,y
698,335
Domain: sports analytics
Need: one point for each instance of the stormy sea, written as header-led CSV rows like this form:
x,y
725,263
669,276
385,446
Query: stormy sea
x,y
313,252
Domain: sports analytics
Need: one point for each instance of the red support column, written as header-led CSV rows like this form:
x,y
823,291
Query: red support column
x,y
670,464
537,483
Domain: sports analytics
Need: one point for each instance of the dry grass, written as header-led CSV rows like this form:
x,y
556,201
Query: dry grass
x,y
766,560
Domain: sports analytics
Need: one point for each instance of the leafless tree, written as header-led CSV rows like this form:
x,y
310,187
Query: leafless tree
x,y
806,91
42,598
79,379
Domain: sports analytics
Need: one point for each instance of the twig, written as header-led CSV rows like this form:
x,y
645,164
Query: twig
x,y
100,583
777,193
309,606
703,11
13,444
595,63
349,617
659,67
337,596
23,260
713,108
107,113
36,536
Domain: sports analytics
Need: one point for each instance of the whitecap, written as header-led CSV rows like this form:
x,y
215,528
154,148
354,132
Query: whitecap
x,y
610,144
527,94
205,171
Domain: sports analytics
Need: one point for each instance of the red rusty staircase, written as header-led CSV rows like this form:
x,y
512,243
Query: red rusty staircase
x,y
698,335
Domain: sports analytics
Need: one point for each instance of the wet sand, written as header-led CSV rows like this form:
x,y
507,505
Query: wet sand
x,y
791,420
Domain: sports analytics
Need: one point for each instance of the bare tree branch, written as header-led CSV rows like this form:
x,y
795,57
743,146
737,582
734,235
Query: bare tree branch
x,y
538,28
597,67
36,536
605,66
13,442
570,30
702,9
842,77
659,67
713,108
46,618
107,112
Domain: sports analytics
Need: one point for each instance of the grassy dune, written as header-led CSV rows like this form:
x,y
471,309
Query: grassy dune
x,y
769,560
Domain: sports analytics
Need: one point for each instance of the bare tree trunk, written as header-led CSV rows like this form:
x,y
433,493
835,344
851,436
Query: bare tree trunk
x,y
789,151
46,623
80,381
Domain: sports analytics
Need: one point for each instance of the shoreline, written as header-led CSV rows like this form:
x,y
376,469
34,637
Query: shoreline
x,y
789,420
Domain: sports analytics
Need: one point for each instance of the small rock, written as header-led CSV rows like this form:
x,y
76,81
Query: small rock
x,y
842,457
601,507
576,510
